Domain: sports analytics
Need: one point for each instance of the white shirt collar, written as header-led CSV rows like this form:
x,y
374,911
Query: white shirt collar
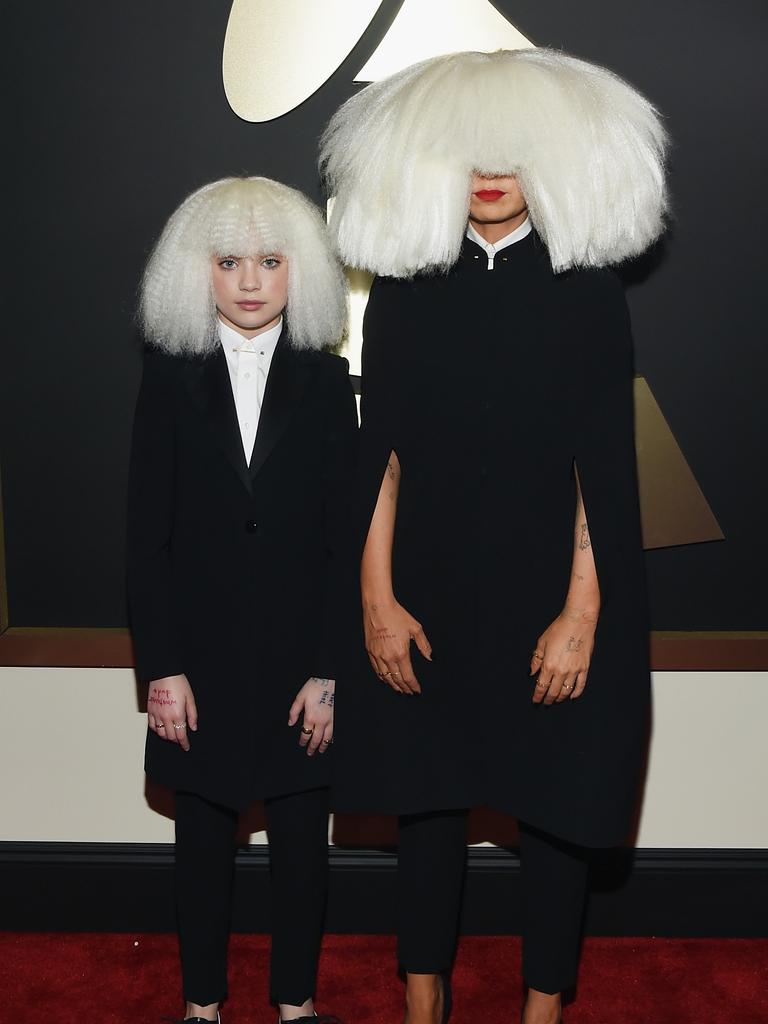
x,y
493,247
233,341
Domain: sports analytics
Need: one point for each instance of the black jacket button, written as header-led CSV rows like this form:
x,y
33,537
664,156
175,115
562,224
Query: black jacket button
x,y
251,526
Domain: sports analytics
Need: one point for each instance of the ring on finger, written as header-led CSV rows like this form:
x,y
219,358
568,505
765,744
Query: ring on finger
x,y
160,725
538,655
306,732
541,683
179,725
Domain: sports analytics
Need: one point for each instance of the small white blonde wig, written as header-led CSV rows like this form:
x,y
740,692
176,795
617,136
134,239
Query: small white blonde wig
x,y
587,150
241,217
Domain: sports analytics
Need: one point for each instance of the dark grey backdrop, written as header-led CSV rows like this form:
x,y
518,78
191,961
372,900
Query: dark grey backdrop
x,y
118,110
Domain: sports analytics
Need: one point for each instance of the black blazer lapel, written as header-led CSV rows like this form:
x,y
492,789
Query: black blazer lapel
x,y
288,375
210,387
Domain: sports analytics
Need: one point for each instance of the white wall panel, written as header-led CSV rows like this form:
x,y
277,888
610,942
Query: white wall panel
x,y
71,744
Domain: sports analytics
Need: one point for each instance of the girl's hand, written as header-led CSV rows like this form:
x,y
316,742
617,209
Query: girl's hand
x,y
171,709
389,629
315,699
562,656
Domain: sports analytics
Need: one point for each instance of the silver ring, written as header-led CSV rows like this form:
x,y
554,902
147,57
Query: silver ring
x,y
159,725
182,726
541,682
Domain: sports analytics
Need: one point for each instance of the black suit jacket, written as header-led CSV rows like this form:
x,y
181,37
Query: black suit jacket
x,y
236,571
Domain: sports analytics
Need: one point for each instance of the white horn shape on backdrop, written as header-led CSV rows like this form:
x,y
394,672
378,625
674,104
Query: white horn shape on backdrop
x,y
277,54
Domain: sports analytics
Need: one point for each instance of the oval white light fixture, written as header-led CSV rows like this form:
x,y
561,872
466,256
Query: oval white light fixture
x,y
276,54
424,29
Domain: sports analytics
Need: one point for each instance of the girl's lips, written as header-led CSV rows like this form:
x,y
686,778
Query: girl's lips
x,y
251,305
489,195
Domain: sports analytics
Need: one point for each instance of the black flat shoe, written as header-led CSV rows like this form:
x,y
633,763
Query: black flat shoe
x,y
316,1018
194,1020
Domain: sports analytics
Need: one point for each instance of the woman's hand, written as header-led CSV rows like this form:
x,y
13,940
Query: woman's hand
x,y
562,656
389,629
171,709
315,699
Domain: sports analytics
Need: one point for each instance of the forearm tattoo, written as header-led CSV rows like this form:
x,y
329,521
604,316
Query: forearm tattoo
x,y
584,541
391,471
160,698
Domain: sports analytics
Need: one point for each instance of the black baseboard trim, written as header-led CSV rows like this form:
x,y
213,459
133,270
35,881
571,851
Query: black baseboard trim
x,y
129,888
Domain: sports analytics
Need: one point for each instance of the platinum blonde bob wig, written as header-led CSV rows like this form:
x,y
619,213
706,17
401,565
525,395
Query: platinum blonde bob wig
x,y
586,148
241,217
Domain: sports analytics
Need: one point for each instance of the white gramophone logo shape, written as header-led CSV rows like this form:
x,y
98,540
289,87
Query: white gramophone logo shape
x,y
276,55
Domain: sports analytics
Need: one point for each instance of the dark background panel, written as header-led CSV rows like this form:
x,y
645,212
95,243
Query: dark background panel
x,y
118,111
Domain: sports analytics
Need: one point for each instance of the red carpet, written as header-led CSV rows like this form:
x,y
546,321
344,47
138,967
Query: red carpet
x,y
134,979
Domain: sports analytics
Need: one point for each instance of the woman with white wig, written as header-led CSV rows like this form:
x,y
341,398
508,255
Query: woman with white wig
x,y
490,193
241,469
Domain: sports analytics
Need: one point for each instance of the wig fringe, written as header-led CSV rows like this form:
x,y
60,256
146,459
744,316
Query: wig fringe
x,y
587,150
242,217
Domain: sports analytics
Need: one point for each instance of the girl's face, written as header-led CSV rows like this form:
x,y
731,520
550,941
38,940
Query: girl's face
x,y
250,291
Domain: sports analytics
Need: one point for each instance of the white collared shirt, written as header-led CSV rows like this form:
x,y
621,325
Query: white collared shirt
x,y
248,362
492,248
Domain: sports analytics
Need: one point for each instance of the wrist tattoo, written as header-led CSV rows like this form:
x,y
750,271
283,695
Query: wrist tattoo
x,y
391,471
573,644
584,541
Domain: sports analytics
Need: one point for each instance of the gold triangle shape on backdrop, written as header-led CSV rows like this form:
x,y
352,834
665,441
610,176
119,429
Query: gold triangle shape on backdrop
x,y
673,508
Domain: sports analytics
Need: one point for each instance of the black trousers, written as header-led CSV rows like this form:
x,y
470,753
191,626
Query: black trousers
x,y
297,827
432,859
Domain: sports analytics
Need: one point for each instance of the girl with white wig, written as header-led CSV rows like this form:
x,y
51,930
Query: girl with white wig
x,y
241,467
490,192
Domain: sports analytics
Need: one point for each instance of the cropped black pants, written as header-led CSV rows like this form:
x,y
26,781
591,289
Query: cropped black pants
x,y
297,828
432,858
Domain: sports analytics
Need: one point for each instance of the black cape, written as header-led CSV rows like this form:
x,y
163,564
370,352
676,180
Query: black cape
x,y
490,385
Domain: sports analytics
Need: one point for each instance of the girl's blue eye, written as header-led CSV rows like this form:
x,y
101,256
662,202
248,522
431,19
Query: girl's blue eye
x,y
270,262
228,264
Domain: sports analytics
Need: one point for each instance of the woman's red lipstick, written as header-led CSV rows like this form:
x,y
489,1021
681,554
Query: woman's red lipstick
x,y
489,195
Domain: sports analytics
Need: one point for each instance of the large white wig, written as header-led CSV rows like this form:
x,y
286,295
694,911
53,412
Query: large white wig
x,y
587,150
241,217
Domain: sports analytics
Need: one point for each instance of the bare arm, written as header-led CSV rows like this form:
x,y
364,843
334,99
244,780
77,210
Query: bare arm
x,y
582,604
564,650
389,628
376,566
